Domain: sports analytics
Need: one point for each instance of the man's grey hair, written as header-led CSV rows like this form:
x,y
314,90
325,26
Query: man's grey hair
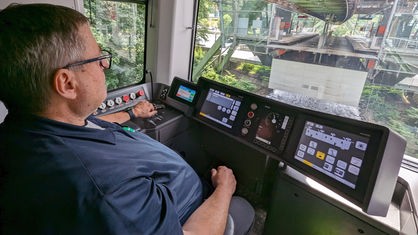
x,y
35,41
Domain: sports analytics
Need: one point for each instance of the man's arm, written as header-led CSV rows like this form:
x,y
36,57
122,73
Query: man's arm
x,y
143,109
211,216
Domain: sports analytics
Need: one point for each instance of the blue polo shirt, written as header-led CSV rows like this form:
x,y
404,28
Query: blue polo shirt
x,y
58,178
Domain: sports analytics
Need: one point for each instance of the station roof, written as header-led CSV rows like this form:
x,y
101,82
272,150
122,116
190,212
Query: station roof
x,y
334,11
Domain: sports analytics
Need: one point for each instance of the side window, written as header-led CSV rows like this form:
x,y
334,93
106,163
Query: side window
x,y
119,26
356,60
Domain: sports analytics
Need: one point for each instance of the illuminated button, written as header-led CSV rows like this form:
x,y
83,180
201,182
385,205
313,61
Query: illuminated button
x,y
332,152
254,106
244,131
356,161
300,153
311,151
353,170
110,103
132,95
250,114
102,106
342,164
118,100
330,159
320,155
339,172
361,145
327,167
313,144
140,93
125,98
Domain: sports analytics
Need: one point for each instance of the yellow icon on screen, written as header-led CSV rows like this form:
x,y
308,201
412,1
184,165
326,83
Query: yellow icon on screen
x,y
320,155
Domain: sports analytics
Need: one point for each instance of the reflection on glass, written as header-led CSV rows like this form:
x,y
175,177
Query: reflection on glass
x,y
120,27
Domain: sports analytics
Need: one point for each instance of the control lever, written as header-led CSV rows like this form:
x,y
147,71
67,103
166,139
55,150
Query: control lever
x,y
151,122
158,106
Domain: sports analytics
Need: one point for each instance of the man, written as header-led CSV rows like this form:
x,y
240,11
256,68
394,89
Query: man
x,y
65,172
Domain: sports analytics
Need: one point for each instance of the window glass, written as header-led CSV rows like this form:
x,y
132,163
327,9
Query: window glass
x,y
120,27
357,60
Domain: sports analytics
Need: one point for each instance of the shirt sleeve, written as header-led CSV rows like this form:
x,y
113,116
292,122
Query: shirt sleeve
x,y
141,206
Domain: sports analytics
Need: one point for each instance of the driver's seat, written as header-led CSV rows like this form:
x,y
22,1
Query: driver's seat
x,y
3,112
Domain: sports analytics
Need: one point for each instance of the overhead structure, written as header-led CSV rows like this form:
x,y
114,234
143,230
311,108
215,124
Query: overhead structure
x,y
332,11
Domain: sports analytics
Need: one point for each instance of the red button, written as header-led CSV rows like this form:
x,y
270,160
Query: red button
x,y
140,93
250,114
125,98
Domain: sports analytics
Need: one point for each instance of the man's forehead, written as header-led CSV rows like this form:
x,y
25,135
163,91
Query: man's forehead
x,y
90,41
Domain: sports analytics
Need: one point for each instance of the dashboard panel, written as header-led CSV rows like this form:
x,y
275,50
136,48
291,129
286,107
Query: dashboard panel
x,y
254,120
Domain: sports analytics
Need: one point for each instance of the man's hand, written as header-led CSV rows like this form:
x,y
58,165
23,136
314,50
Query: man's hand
x,y
224,178
144,109
211,217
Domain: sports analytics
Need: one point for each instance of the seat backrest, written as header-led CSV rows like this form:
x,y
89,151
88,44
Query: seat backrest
x,y
3,112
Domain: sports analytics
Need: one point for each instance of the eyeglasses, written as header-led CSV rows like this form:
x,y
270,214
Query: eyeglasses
x,y
105,61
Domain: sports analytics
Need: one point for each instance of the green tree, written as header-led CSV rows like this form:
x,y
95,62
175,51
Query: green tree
x,y
120,27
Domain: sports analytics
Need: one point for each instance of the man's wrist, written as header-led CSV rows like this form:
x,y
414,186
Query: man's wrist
x,y
131,113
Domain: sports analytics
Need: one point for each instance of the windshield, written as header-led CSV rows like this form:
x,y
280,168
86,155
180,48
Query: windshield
x,y
356,59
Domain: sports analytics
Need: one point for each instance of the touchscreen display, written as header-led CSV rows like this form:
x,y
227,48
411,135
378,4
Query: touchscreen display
x,y
335,153
186,93
271,130
221,107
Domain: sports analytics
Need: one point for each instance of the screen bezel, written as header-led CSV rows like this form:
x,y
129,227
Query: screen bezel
x,y
205,87
372,157
175,85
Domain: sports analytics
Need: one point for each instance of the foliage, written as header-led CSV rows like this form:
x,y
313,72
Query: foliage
x,y
120,27
198,55
250,9
411,116
375,98
229,79
254,70
245,67
205,7
378,101
227,20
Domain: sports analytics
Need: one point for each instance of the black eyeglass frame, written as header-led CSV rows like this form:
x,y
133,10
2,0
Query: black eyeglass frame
x,y
100,58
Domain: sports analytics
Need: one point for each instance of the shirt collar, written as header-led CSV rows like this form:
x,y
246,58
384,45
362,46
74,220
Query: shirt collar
x,y
47,126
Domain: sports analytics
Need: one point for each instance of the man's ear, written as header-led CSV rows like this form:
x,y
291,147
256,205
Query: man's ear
x,y
65,83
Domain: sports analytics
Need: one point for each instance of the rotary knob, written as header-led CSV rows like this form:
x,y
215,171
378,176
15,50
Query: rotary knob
x,y
118,100
102,106
110,103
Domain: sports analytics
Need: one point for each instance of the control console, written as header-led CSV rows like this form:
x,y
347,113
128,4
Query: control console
x,y
122,99
359,160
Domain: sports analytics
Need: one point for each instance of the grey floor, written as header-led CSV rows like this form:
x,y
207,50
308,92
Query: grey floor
x,y
260,218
